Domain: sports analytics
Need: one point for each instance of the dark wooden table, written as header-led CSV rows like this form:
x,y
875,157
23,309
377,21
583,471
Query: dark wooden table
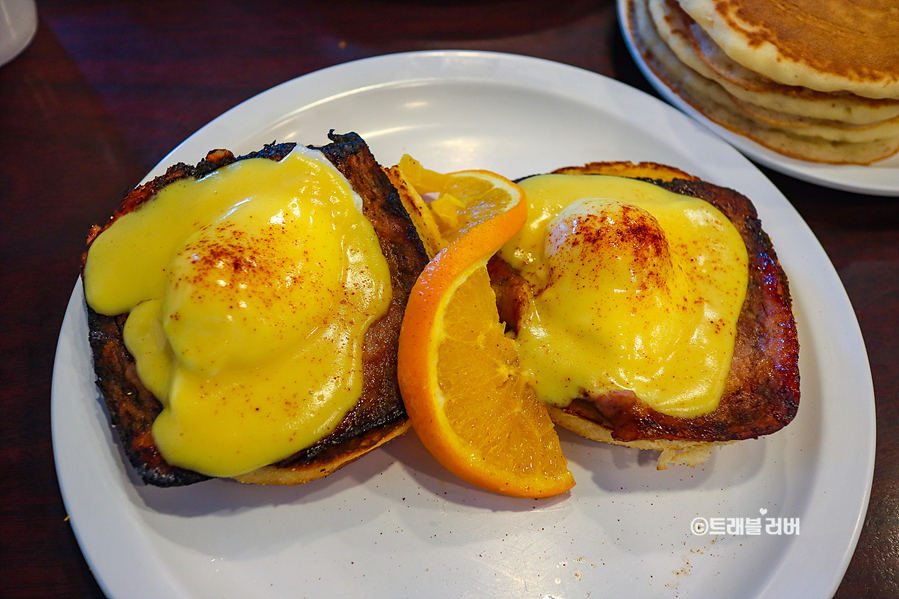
x,y
107,88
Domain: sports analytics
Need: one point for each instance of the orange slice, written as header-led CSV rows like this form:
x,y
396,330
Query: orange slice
x,y
465,394
456,202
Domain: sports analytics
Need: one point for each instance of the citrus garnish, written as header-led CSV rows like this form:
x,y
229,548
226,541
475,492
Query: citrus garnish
x,y
465,394
458,201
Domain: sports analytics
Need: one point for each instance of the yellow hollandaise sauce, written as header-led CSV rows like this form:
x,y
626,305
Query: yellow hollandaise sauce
x,y
248,293
633,288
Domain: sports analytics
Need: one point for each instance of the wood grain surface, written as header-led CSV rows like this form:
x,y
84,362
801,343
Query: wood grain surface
x,y
106,89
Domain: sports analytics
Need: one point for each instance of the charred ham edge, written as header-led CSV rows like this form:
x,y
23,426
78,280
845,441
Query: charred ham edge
x,y
380,411
762,388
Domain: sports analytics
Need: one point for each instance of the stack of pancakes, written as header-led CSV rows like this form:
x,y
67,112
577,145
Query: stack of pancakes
x,y
811,79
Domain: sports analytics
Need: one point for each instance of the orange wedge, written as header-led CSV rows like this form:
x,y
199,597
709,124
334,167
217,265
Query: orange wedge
x,y
465,394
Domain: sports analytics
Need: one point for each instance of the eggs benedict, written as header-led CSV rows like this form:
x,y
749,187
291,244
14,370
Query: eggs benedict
x,y
649,310
244,314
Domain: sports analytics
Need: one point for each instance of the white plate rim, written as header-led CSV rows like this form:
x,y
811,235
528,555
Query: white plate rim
x,y
473,66
852,178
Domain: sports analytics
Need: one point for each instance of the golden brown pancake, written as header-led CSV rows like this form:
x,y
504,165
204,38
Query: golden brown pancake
x,y
842,146
832,130
695,48
825,45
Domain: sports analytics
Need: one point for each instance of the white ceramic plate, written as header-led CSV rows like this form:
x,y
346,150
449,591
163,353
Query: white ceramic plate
x,y
18,25
395,524
880,178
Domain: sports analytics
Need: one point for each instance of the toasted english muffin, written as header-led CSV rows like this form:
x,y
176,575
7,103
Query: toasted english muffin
x,y
379,414
761,390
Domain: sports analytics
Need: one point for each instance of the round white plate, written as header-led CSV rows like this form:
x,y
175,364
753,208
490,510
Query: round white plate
x,y
880,178
396,524
18,25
